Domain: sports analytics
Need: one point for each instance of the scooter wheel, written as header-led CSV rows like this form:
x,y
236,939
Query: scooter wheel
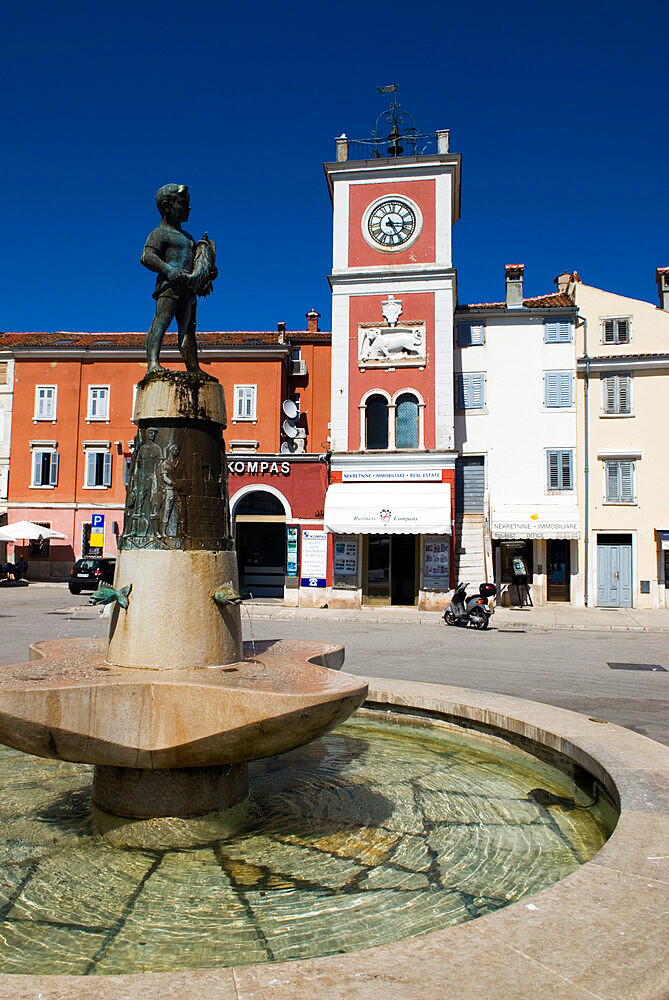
x,y
449,617
479,618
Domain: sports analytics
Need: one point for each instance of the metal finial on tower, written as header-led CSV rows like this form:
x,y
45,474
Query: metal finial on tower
x,y
401,124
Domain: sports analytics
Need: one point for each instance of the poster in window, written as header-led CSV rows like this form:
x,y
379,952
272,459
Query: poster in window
x,y
436,565
314,558
291,549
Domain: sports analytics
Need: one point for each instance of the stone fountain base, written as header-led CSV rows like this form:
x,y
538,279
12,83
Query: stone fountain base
x,y
136,793
174,742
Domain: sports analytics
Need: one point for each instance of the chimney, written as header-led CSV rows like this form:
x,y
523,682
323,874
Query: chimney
x,y
513,274
562,281
443,137
281,327
312,321
662,276
341,143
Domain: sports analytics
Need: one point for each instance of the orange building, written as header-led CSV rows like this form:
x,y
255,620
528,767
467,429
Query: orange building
x,y
72,439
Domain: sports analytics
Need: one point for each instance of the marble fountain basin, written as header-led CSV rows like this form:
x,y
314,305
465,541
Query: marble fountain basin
x,y
69,703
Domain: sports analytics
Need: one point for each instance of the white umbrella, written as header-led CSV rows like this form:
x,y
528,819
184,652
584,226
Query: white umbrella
x,y
26,531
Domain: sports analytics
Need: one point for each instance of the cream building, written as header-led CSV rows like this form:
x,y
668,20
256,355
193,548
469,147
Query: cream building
x,y
622,351
6,396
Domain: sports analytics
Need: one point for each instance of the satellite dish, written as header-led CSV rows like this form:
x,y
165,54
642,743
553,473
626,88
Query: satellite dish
x,y
290,409
289,429
288,447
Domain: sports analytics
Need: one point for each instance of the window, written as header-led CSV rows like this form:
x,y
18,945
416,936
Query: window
x,y
470,334
45,402
559,389
98,468
86,548
616,331
560,470
470,391
245,402
406,421
557,331
4,372
619,477
98,402
45,469
39,548
617,394
376,423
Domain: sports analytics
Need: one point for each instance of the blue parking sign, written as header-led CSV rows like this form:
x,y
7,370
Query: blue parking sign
x,y
97,521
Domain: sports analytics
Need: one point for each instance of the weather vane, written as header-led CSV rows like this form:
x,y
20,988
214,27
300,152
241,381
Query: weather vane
x,y
400,122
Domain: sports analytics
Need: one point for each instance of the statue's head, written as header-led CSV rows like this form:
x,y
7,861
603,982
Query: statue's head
x,y
174,200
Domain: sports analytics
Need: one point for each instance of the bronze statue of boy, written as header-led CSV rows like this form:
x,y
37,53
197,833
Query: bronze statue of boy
x,y
185,269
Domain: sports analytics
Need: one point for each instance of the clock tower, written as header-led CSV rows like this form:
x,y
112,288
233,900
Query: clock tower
x,y
394,291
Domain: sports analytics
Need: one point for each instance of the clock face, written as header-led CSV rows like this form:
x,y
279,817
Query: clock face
x,y
391,223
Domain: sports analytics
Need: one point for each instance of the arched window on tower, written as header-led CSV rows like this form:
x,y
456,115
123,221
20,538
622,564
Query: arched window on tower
x,y
406,421
376,423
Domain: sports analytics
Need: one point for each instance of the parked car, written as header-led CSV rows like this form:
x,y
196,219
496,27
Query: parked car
x,y
87,574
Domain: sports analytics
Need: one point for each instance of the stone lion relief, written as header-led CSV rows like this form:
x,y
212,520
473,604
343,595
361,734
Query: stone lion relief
x,y
391,345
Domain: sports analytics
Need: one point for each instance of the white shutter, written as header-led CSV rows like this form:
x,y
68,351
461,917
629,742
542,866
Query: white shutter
x,y
623,331
91,462
624,394
610,394
627,482
37,468
107,473
552,389
4,483
250,392
609,331
53,469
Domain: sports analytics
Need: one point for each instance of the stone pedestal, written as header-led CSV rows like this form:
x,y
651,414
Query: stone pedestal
x,y
136,793
176,548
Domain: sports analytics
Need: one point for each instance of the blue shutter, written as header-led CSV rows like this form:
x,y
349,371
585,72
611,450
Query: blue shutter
x,y
627,482
107,471
37,468
612,481
477,391
91,460
557,331
470,334
553,470
53,469
559,389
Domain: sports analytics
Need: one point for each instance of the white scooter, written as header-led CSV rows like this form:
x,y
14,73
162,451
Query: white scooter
x,y
473,610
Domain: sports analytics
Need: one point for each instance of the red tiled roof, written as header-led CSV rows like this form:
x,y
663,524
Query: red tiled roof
x,y
556,300
215,338
625,357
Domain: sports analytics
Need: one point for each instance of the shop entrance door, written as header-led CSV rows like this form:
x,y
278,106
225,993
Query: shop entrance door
x,y
390,572
614,571
260,541
558,569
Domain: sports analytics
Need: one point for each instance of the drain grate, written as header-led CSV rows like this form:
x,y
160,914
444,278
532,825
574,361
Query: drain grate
x,y
637,666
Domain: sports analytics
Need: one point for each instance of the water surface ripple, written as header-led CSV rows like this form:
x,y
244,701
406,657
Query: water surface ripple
x,y
373,833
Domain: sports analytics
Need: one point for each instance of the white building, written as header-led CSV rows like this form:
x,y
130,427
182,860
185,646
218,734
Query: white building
x,y
515,427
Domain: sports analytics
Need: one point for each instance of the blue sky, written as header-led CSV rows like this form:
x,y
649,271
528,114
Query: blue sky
x,y
559,113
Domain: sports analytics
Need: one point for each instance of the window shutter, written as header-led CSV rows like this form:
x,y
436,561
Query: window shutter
x,y
41,403
91,458
478,391
459,392
566,389
104,403
107,472
239,396
626,482
624,386
610,394
37,468
558,388
566,483
623,331
249,401
4,372
53,469
612,481
557,331
553,471
92,402
609,331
